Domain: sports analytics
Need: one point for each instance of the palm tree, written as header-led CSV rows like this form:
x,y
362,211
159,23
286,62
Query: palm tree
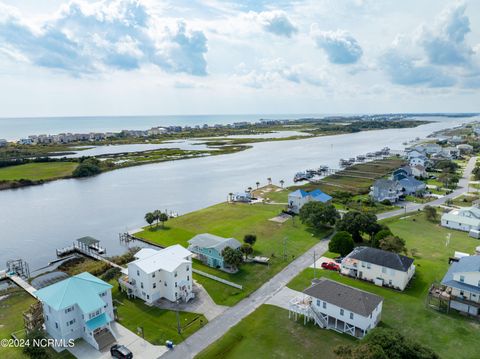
x,y
258,184
249,189
163,218
156,215
149,218
269,179
282,182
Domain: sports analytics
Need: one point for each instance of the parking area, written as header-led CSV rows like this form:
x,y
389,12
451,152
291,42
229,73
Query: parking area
x,y
139,347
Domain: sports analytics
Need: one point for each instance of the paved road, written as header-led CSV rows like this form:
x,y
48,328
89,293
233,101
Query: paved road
x,y
462,188
220,325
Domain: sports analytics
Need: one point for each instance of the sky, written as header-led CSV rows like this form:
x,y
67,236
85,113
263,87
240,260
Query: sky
x,y
160,57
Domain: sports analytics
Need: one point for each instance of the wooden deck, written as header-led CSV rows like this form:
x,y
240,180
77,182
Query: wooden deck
x,y
22,284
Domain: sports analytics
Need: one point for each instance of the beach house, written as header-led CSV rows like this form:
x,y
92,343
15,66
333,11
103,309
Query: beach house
x,y
464,219
79,307
156,274
386,190
339,307
208,249
298,198
381,267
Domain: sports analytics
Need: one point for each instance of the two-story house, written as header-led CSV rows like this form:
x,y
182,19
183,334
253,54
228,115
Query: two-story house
x,y
298,198
208,249
381,267
464,219
156,274
386,190
79,307
336,306
462,283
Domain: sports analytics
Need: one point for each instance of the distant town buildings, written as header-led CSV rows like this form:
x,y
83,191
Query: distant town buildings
x,y
3,142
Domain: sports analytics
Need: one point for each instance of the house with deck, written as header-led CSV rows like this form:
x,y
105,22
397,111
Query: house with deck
x,y
412,186
463,219
298,198
336,306
79,307
381,267
157,274
208,249
386,189
461,285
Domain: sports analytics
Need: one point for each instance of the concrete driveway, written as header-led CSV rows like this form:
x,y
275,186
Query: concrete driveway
x,y
139,347
283,297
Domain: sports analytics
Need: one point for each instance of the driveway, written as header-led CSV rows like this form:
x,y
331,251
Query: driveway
x,y
283,297
201,304
139,347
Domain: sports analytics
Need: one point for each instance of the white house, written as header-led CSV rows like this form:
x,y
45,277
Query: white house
x,y
298,198
339,307
463,219
465,148
381,267
157,274
79,307
414,154
3,142
418,171
385,189
462,285
421,160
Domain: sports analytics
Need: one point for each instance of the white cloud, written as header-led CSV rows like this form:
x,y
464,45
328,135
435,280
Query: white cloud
x,y
89,38
277,22
341,47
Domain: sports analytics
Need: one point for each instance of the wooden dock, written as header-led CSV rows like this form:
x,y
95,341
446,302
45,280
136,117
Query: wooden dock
x,y
75,248
22,284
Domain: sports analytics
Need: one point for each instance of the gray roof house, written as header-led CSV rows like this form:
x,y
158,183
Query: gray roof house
x,y
412,186
342,308
208,248
385,189
384,268
462,284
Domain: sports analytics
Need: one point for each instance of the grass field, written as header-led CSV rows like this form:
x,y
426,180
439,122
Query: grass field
x,y
158,325
37,171
236,220
268,333
11,320
406,311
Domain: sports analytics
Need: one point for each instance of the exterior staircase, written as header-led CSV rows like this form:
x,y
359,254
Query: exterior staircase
x,y
104,338
317,317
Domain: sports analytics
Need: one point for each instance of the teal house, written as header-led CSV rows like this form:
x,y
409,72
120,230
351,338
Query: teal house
x,y
79,307
208,249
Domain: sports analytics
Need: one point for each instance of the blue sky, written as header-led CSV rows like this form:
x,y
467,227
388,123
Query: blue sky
x,y
147,57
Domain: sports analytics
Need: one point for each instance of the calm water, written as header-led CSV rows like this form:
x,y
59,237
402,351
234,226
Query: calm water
x,y
36,220
15,128
138,147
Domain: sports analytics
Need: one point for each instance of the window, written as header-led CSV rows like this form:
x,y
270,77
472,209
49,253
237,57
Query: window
x,y
165,284
154,285
56,325
148,297
102,295
384,270
351,315
324,305
363,265
141,285
478,283
318,302
176,274
462,278
138,273
188,268
153,275
176,284
188,277
369,265
341,311
46,317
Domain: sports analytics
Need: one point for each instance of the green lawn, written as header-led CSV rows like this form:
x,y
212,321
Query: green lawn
x,y
406,311
236,220
268,333
11,320
464,201
37,171
158,325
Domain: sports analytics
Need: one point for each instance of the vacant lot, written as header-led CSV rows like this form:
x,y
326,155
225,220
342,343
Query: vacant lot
x,y
237,220
268,333
406,311
37,171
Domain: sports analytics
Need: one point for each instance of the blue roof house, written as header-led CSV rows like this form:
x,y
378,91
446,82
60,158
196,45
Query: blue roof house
x,y
462,285
298,198
79,307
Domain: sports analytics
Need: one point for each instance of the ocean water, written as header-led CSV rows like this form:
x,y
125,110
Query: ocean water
x,y
15,128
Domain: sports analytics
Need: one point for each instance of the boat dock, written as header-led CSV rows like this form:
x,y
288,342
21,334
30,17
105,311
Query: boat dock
x,y
22,284
128,237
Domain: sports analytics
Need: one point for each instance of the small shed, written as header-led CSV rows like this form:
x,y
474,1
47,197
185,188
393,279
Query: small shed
x,y
89,243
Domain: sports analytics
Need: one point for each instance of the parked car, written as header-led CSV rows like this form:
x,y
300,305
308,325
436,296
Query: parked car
x,y
338,259
330,266
121,352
